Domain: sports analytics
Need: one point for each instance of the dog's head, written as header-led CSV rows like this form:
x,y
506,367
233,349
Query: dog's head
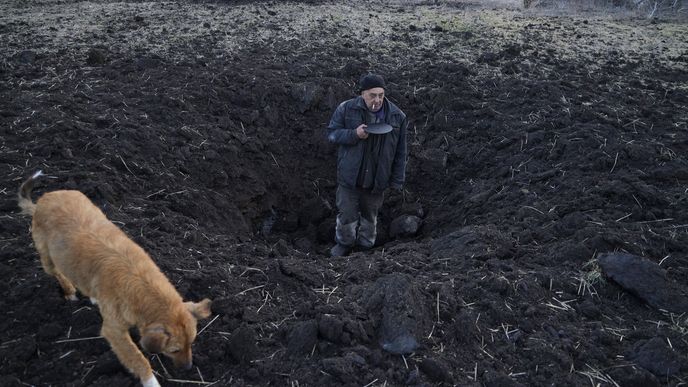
x,y
174,336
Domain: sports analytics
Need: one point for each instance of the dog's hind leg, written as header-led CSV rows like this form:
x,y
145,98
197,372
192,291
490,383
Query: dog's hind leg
x,y
49,267
66,285
128,353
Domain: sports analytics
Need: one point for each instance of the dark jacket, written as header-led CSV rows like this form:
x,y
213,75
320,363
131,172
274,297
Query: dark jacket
x,y
391,167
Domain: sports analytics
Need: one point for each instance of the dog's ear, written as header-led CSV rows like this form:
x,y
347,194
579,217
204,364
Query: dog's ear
x,y
199,309
154,338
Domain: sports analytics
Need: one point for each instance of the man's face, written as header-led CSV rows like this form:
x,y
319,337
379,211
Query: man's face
x,y
373,98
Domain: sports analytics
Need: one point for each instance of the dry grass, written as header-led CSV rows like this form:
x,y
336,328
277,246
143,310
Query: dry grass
x,y
589,277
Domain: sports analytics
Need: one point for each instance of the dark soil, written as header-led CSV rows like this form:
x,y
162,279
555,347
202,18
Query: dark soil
x,y
537,142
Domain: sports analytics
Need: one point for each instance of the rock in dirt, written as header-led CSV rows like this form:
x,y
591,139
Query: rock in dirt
x,y
655,356
404,225
396,302
400,344
302,338
644,279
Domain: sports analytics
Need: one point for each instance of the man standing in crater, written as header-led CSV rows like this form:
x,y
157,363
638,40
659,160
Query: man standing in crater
x,y
370,132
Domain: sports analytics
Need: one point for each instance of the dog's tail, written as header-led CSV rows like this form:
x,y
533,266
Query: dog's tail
x,y
24,195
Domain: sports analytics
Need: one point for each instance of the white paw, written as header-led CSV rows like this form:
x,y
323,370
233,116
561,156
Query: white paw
x,y
94,301
71,297
150,382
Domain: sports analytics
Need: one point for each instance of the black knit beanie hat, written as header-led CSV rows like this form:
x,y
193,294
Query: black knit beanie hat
x,y
370,81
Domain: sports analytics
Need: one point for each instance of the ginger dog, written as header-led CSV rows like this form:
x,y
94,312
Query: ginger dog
x,y
83,250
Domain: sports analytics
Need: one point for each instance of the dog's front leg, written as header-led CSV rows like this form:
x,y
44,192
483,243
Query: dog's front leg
x,y
129,354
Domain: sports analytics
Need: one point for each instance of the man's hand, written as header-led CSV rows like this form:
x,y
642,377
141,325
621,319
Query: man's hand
x,y
361,133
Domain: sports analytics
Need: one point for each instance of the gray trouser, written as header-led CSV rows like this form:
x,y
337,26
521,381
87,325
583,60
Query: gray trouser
x,y
357,216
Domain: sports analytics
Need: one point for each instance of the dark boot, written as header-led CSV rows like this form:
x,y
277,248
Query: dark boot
x,y
361,247
339,250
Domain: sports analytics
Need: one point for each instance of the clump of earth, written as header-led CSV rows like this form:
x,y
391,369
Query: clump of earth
x,y
539,141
